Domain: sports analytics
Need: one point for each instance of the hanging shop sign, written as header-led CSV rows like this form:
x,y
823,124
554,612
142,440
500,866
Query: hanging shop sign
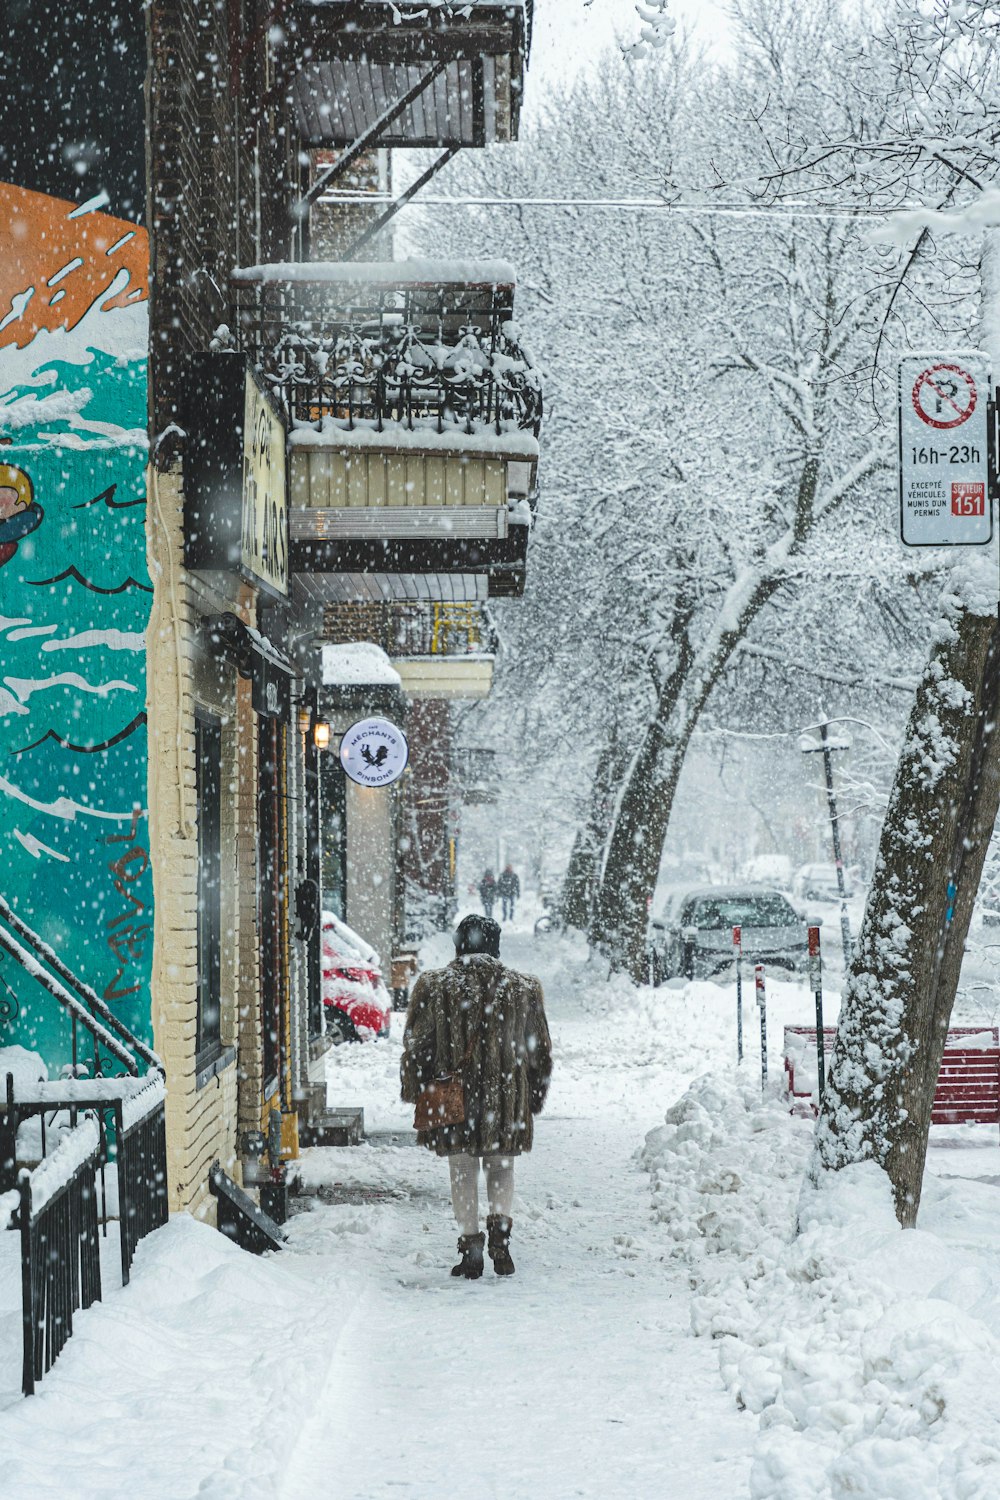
x,y
945,436
264,550
235,475
374,752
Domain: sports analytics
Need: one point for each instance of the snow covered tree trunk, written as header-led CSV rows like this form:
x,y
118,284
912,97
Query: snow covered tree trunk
x,y
636,845
582,872
902,983
635,848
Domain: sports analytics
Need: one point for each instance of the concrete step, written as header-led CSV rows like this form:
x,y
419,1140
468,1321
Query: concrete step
x,y
334,1127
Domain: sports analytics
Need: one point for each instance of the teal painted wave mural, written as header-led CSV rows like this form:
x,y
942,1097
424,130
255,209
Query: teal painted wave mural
x,y
75,597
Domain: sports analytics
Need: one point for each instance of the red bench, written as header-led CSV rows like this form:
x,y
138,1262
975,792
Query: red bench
x,y
968,1087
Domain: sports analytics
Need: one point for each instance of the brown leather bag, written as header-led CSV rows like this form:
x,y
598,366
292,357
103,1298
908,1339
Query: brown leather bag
x,y
442,1102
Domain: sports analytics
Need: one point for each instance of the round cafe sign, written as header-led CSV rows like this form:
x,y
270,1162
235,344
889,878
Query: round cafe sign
x,y
374,752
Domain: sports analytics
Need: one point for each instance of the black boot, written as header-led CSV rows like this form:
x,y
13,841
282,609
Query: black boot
x,y
471,1250
499,1228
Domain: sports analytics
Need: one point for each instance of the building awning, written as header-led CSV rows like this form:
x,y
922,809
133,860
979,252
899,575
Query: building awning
x,y
227,638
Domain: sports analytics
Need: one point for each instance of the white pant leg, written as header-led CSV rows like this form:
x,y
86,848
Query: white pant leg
x,y
465,1192
500,1184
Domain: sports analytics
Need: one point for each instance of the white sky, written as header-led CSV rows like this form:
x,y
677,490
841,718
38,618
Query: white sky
x,y
570,34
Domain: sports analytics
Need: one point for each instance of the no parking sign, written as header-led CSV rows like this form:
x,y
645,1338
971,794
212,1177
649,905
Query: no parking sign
x,y
944,450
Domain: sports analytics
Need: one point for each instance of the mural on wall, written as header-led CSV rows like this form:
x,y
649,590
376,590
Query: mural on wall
x,y
75,599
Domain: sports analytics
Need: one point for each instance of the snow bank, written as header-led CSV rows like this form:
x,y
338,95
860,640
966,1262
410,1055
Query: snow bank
x,y
195,1379
869,1353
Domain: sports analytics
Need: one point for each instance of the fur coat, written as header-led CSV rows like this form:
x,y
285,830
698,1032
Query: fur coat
x,y
476,1003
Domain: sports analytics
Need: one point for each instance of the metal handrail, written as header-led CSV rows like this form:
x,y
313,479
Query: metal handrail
x,y
92,1009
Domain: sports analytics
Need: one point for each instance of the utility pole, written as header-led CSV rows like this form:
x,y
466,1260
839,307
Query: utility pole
x,y
827,746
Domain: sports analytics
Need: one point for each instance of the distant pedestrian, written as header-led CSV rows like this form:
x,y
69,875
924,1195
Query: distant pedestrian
x,y
484,1025
488,892
508,889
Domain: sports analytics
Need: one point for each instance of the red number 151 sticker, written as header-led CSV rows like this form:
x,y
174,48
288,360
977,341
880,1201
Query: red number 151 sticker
x,y
968,498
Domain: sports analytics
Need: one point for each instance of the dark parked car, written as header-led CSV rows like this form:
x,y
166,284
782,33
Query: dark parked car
x,y
693,937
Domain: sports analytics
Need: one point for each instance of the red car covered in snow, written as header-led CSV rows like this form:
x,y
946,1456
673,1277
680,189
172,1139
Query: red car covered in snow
x,y
356,1003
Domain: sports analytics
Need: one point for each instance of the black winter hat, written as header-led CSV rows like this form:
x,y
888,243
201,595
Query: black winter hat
x,y
476,934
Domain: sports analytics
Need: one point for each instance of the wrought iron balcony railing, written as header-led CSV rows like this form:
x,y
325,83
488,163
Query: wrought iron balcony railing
x,y
416,630
444,630
421,347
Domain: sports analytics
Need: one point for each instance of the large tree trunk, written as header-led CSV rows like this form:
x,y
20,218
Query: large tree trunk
x,y
580,884
904,976
636,845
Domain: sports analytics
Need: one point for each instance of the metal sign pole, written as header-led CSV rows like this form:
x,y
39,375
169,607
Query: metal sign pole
x,y
738,946
758,975
816,976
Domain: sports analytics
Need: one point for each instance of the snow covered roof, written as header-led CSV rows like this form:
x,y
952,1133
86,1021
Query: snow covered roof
x,y
414,272
358,664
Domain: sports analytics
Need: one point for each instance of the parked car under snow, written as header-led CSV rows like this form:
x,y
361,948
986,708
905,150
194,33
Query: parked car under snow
x,y
693,937
356,1003
819,883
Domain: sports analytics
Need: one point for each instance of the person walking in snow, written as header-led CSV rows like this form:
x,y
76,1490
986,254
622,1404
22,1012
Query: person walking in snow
x,y
488,892
508,889
480,1020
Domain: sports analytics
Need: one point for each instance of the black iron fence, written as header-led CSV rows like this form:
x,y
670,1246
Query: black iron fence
x,y
60,1249
142,1172
61,1202
54,1178
444,357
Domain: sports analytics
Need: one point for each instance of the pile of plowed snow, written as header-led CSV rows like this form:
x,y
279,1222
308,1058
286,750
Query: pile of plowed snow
x,y
871,1354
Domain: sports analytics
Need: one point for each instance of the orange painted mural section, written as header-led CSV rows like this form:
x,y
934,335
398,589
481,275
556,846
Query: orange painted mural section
x,y
39,237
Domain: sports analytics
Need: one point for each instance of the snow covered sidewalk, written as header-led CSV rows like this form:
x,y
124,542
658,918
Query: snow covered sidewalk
x,y
853,1362
352,1365
580,1377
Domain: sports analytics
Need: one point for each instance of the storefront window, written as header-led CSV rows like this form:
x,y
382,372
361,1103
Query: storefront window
x,y
272,865
209,786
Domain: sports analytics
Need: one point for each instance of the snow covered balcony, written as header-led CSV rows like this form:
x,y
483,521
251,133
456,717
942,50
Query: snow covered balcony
x,y
414,414
439,651
433,74
445,652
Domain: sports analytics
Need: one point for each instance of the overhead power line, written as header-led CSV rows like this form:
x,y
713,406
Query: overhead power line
x,y
822,211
